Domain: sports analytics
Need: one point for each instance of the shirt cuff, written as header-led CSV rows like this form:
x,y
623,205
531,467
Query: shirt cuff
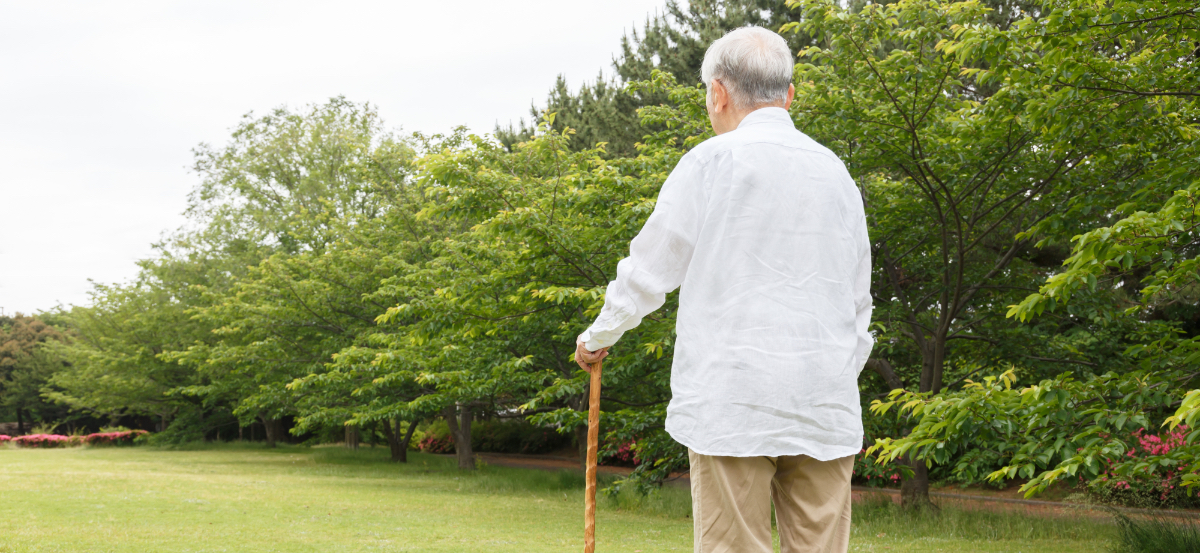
x,y
590,342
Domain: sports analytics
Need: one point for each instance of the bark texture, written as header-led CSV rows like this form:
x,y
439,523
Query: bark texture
x,y
458,418
914,491
273,429
396,442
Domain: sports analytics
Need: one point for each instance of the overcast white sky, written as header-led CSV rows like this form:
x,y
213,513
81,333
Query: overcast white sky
x,y
102,102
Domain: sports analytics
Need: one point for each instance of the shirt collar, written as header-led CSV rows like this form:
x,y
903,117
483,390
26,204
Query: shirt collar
x,y
769,115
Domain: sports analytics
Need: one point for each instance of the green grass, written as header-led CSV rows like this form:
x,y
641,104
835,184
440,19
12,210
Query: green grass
x,y
244,498
1156,535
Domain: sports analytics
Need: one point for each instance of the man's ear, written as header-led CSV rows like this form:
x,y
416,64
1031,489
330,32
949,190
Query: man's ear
x,y
720,96
787,104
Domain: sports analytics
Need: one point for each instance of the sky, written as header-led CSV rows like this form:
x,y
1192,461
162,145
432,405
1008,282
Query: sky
x,y
101,103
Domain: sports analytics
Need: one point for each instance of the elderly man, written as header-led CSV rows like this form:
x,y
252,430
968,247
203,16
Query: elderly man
x,y
763,231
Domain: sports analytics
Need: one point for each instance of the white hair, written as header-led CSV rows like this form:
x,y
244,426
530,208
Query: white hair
x,y
754,64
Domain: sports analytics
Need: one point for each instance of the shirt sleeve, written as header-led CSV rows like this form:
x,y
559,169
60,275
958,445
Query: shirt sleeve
x,y
862,299
658,256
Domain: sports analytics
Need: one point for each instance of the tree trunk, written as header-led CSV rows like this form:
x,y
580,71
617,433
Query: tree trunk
x,y
412,427
914,491
352,437
885,371
460,427
393,439
398,443
272,429
20,422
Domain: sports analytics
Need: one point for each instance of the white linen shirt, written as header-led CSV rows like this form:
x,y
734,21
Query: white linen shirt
x,y
764,232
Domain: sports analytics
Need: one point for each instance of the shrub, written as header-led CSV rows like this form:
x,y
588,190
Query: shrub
x,y
4,438
514,436
414,444
129,437
869,473
494,436
624,455
113,438
437,444
1148,490
46,440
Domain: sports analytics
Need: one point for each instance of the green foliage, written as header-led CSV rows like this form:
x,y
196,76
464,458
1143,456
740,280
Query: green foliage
x,y
115,367
1056,429
958,165
27,362
1062,92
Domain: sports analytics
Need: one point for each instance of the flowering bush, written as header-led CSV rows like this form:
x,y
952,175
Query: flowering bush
x,y
868,472
1149,490
113,438
46,440
56,440
4,438
624,455
437,444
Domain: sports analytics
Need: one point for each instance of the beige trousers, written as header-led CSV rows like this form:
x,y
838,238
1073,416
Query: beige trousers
x,y
732,498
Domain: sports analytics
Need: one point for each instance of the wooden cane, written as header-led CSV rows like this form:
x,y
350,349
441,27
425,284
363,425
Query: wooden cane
x,y
589,501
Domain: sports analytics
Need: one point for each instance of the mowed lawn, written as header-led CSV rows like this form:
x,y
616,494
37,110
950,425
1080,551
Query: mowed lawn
x,y
245,498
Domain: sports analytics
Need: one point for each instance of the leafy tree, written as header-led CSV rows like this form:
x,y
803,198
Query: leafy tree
x,y
964,169
26,365
312,192
114,364
1124,75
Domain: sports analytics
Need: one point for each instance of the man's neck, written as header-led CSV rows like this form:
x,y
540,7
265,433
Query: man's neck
x,y
732,119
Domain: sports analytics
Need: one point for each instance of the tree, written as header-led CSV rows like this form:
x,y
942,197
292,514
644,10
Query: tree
x,y
605,111
1131,65
313,193
26,365
114,364
958,164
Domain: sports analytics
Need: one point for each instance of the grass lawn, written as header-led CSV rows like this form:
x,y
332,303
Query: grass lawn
x,y
244,498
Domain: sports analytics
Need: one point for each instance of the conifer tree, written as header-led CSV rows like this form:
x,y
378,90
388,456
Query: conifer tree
x,y
673,41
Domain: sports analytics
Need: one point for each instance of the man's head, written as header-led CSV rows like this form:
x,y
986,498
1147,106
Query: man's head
x,y
747,69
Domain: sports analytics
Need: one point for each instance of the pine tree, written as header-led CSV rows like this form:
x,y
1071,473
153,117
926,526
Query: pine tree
x,y
673,41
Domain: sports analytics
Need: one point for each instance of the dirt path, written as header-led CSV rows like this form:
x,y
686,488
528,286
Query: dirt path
x,y
861,493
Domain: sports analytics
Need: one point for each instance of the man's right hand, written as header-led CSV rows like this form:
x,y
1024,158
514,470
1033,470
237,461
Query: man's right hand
x,y
587,358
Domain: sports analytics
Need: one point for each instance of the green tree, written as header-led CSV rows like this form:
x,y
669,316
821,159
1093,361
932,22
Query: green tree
x,y
313,193
26,365
114,364
964,170
1124,75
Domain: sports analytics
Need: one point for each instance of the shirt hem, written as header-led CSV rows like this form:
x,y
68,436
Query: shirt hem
x,y
820,454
